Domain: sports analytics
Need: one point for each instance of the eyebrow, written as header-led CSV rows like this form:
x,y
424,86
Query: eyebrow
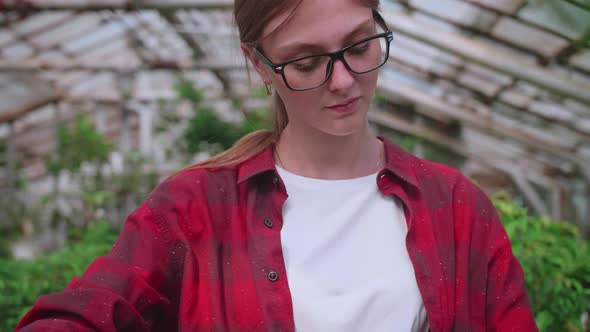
x,y
288,52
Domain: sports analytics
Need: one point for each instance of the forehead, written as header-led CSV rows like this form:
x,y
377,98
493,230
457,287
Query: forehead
x,y
317,21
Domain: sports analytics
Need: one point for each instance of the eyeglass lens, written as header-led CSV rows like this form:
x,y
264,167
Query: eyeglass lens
x,y
313,71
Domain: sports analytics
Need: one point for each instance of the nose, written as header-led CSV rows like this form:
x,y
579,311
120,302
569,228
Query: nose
x,y
341,78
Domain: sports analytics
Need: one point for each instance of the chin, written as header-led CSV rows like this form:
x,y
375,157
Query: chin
x,y
346,126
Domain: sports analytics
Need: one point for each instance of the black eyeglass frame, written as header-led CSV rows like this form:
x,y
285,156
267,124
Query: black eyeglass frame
x,y
279,68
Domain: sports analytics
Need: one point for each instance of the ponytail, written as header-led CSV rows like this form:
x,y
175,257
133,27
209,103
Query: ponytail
x,y
251,144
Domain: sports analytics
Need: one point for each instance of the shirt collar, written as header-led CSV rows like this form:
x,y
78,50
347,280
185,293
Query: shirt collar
x,y
398,161
261,163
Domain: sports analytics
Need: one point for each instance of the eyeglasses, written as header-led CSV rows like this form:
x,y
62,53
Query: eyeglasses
x,y
309,72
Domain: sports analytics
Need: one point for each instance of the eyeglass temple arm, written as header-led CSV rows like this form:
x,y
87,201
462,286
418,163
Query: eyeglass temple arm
x,y
262,58
380,20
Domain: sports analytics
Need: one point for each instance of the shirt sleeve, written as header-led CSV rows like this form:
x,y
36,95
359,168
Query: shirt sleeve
x,y
507,303
126,290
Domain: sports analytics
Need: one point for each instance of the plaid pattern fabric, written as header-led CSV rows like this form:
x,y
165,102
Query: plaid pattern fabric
x,y
203,253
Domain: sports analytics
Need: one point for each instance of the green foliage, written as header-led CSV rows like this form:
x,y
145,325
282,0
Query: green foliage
x,y
14,211
379,98
20,181
407,142
136,180
207,130
556,264
78,143
260,92
22,282
186,90
442,155
431,150
206,126
572,14
256,120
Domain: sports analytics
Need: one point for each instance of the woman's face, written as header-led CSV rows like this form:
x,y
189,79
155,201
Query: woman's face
x,y
320,26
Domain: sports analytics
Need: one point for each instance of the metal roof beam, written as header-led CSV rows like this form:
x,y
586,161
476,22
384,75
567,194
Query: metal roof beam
x,y
35,65
125,5
486,56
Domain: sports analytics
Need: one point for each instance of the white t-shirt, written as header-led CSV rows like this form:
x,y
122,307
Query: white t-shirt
x,y
347,264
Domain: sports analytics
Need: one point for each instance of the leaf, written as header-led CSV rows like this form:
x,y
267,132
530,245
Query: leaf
x,y
556,262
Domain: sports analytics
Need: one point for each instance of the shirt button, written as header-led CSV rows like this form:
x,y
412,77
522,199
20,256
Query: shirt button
x,y
272,275
268,223
275,180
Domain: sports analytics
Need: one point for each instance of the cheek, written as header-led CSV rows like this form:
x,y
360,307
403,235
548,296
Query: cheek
x,y
368,81
299,104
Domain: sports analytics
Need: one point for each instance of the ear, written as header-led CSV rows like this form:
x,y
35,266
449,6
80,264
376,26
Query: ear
x,y
262,70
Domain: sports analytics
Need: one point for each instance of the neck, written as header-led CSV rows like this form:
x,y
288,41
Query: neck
x,y
324,156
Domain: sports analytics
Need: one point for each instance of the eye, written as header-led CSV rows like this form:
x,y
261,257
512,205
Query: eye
x,y
308,64
359,49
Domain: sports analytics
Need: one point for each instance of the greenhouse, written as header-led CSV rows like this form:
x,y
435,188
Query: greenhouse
x,y
101,100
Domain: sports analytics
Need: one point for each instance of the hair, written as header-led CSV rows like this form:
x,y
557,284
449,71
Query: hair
x,y
251,17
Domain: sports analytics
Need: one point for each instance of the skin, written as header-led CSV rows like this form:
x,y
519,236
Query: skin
x,y
319,142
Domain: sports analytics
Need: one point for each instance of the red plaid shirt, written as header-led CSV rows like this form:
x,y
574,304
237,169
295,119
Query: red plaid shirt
x,y
203,253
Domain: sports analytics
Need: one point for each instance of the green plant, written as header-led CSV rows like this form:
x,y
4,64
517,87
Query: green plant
x,y
139,177
78,143
431,150
22,282
556,264
379,98
15,211
207,126
128,189
260,92
186,90
256,120
206,130
406,141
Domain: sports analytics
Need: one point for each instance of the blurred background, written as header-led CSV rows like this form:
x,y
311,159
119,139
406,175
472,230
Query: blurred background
x,y
102,99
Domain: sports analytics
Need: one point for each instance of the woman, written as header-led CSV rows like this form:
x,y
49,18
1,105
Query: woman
x,y
368,238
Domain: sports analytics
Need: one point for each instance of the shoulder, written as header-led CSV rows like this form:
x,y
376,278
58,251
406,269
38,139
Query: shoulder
x,y
434,178
425,175
197,185
438,185
459,212
428,172
446,185
182,204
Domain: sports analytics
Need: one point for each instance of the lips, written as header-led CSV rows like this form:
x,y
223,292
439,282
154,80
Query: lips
x,y
344,107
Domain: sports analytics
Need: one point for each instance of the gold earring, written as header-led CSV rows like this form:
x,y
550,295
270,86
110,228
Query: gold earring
x,y
268,87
